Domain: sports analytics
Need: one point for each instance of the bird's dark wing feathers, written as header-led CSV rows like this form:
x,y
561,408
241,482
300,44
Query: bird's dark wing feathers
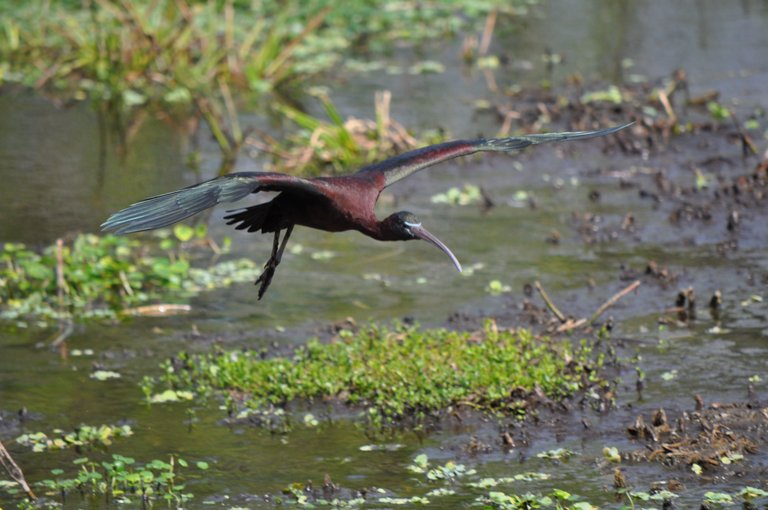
x,y
167,209
402,166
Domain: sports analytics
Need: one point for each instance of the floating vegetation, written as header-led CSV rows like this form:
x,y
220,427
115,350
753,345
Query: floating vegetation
x,y
458,486
105,375
663,497
469,194
556,454
669,375
94,276
486,483
396,373
750,493
496,288
527,495
718,498
449,471
84,435
611,454
556,499
120,480
413,500
171,396
718,111
392,447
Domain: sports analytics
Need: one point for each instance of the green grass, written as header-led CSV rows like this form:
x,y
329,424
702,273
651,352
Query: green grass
x,y
396,373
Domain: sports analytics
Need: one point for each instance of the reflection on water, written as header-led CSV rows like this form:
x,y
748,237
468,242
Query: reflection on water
x,y
63,169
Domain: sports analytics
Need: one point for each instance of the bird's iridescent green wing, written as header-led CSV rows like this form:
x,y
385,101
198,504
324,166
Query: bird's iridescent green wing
x,y
166,209
402,166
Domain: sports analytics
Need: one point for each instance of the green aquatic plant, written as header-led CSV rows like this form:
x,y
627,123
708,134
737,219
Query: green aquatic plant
x,y
93,276
718,498
486,483
496,288
750,493
718,111
559,499
395,373
121,479
556,454
449,471
468,194
83,435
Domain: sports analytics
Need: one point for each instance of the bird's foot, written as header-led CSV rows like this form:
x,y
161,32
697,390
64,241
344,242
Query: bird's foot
x,y
266,277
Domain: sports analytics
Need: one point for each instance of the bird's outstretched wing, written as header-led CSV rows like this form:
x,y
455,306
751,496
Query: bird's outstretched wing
x,y
402,166
166,209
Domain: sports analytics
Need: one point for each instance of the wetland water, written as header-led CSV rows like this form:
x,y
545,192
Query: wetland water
x,y
62,172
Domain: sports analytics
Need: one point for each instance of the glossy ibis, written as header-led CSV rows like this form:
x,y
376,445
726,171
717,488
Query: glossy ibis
x,y
333,204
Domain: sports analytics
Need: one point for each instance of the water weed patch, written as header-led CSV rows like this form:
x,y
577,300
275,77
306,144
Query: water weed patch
x,y
396,373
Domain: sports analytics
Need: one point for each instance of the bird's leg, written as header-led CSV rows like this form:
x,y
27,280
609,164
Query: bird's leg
x,y
265,278
274,259
285,241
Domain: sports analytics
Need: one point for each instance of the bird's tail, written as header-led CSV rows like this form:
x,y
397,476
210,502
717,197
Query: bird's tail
x,y
167,209
515,143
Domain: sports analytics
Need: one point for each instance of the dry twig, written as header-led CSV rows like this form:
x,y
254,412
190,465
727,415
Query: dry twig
x,y
612,301
14,471
549,302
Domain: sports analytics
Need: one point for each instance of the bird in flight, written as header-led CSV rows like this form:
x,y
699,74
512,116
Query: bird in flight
x,y
333,204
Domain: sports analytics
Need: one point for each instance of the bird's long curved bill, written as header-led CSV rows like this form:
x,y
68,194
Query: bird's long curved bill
x,y
426,235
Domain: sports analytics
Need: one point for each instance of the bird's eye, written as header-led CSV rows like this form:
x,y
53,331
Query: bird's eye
x,y
410,225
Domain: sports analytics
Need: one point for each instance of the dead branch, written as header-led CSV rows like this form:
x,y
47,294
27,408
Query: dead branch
x,y
612,301
14,471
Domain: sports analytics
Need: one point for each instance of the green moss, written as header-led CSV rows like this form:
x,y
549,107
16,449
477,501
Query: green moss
x,y
396,373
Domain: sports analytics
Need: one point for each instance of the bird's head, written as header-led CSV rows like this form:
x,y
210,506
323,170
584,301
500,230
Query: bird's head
x,y
404,226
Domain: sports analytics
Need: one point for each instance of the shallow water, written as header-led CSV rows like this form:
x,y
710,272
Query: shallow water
x,y
63,171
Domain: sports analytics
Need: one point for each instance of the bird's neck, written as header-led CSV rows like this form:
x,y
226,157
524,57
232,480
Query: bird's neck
x,y
382,231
